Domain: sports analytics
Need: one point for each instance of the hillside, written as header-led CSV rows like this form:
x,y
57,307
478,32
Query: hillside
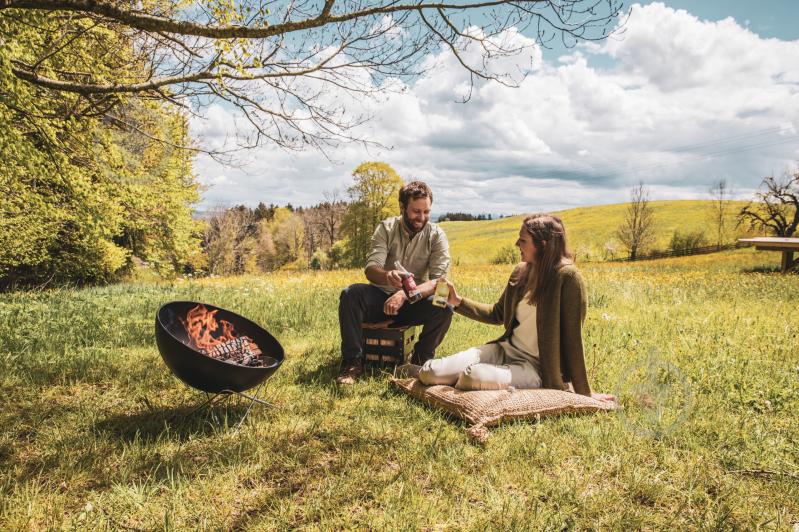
x,y
588,229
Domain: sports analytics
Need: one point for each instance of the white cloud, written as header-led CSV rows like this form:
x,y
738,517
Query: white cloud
x,y
686,102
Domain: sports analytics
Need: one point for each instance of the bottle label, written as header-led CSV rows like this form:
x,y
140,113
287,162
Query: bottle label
x,y
442,293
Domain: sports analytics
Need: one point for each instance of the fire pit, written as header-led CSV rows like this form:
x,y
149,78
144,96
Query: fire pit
x,y
215,350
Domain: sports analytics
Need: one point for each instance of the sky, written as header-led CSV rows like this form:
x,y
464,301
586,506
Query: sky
x,y
689,93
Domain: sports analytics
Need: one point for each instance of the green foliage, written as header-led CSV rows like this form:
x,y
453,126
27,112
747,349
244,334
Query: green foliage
x,y
682,242
319,260
374,196
508,254
338,254
288,234
80,196
156,188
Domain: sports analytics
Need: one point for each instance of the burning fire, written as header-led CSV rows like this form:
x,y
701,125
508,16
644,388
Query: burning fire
x,y
204,336
201,323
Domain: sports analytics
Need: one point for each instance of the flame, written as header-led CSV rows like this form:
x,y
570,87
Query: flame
x,y
201,324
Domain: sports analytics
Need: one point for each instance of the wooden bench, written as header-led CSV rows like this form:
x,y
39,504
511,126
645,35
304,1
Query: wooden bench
x,y
387,345
788,246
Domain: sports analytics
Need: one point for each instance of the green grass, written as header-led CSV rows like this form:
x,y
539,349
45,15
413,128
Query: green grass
x,y
97,433
588,229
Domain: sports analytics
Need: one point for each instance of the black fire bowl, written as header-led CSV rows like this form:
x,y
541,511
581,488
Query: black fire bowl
x,y
203,372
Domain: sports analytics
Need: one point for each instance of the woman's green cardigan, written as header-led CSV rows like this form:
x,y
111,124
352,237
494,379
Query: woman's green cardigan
x,y
559,320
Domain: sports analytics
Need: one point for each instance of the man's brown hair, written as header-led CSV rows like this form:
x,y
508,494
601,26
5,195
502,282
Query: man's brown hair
x,y
415,190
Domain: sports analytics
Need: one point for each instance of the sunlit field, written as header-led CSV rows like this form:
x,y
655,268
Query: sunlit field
x,y
589,229
98,434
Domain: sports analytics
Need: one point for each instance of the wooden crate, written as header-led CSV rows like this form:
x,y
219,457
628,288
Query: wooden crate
x,y
390,345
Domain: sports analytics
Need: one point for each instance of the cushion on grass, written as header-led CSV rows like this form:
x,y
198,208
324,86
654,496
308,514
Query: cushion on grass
x,y
484,408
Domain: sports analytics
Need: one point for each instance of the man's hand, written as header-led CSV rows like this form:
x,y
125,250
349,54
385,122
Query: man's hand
x,y
394,278
394,303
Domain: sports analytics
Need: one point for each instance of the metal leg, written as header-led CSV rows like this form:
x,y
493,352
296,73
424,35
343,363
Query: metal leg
x,y
226,395
252,398
210,399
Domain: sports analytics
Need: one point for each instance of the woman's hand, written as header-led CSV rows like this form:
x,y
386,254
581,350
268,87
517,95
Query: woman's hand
x,y
454,299
604,397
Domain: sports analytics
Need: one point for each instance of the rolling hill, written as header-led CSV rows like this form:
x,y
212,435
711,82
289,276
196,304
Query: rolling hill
x,y
590,230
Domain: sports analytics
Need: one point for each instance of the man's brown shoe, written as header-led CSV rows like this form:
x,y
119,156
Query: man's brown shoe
x,y
350,372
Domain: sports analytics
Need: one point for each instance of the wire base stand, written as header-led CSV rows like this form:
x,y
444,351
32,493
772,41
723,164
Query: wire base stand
x,y
226,395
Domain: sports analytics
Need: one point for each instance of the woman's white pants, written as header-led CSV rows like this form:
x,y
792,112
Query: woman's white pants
x,y
487,367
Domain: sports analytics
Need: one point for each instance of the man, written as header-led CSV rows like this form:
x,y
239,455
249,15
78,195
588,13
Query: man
x,y
421,248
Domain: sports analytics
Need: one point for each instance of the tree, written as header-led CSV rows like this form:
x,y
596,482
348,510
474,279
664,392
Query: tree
x,y
288,235
322,223
374,197
610,249
330,215
229,242
157,189
262,212
776,208
719,208
80,195
265,246
276,61
637,230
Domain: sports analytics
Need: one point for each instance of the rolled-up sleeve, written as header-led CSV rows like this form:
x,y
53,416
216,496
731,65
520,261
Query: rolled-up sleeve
x,y
377,256
439,255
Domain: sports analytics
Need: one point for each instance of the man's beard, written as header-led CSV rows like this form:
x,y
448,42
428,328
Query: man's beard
x,y
409,225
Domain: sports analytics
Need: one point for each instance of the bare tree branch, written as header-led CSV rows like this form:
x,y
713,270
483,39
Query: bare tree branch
x,y
276,61
147,22
776,208
637,230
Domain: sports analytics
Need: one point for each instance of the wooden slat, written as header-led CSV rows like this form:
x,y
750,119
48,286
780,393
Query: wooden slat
x,y
773,243
388,345
776,248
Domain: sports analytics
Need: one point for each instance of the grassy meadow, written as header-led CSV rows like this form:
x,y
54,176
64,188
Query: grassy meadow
x,y
589,229
98,434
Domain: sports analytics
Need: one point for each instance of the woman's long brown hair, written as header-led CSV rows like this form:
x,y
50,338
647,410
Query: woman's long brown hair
x,y
549,236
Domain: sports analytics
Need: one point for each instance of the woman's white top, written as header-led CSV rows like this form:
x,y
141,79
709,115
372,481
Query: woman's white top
x,y
525,335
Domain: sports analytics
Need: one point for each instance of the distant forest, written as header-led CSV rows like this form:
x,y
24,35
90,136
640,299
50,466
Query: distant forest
x,y
463,217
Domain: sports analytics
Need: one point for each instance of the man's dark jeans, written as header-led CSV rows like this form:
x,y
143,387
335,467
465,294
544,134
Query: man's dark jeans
x,y
363,303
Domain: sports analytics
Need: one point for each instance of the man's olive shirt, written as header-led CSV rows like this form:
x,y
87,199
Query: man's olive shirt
x,y
426,255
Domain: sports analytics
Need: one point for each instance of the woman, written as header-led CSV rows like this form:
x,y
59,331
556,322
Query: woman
x,y
542,308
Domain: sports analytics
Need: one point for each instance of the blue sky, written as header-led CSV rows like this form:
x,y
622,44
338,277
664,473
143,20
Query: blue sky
x,y
767,18
685,96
